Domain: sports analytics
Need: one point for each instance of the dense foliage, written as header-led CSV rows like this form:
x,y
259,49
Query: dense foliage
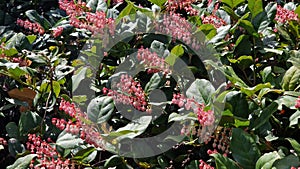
x,y
85,82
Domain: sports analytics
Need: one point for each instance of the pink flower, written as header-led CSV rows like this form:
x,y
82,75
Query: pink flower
x,y
214,20
204,165
152,61
58,31
94,22
205,118
284,15
35,27
297,105
129,92
174,5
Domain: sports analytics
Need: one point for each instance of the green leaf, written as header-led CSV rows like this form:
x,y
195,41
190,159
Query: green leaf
x,y
295,145
248,26
286,162
266,161
31,38
46,87
19,42
223,162
250,91
291,78
68,141
153,83
221,33
255,7
132,129
84,154
100,109
294,118
12,130
77,78
176,52
297,10
201,90
236,102
182,118
264,116
288,101
159,3
209,30
243,61
28,122
11,52
233,3
22,162
244,149
113,161
35,17
129,9
56,88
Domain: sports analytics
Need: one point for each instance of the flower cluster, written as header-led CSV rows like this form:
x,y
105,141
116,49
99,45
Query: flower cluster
x,y
34,27
47,156
174,5
284,15
94,22
214,20
129,92
205,118
177,27
87,132
204,165
221,140
152,61
3,141
57,31
297,105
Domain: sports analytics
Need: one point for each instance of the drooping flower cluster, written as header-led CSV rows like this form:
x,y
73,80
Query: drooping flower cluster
x,y
34,27
214,20
297,105
284,15
178,28
204,165
47,156
205,118
174,5
57,31
87,132
129,92
94,22
152,61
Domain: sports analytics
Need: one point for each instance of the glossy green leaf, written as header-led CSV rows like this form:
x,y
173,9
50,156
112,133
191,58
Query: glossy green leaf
x,y
250,91
84,154
295,145
255,7
294,118
77,78
153,83
286,162
291,78
113,161
244,149
288,101
68,141
22,162
209,30
100,109
223,162
35,17
28,122
264,116
233,3
201,90
158,2
266,161
181,118
236,102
